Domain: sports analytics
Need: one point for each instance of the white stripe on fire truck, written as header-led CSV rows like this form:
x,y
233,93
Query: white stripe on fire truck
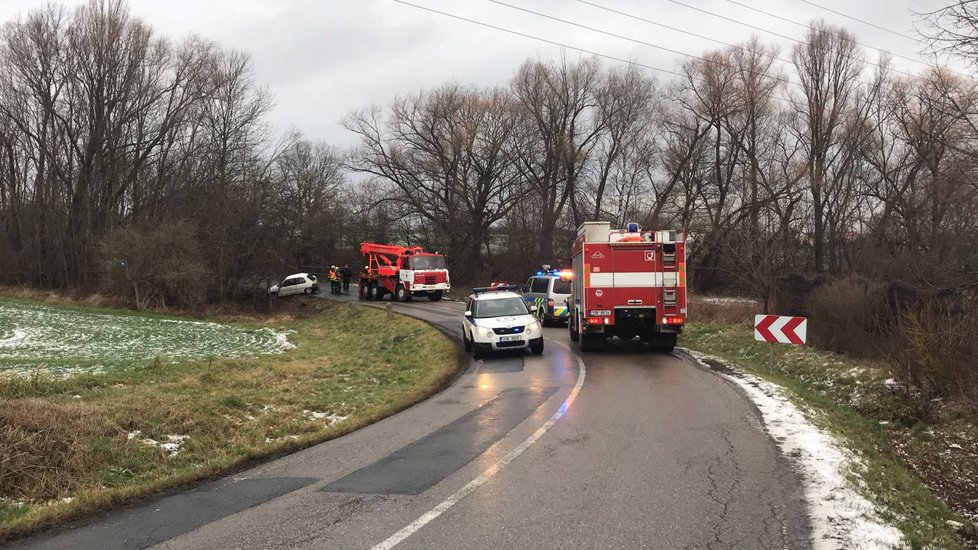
x,y
631,279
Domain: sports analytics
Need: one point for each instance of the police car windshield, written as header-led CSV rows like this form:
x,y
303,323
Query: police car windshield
x,y
499,307
562,287
427,262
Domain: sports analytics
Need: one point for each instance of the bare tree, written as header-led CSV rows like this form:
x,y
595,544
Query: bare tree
x,y
828,67
451,155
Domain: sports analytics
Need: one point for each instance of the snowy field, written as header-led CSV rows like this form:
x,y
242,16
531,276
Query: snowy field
x,y
65,341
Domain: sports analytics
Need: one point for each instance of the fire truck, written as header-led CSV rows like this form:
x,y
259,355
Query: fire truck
x,y
403,272
627,283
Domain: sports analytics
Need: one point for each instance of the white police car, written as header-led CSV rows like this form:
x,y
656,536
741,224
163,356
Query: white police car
x,y
497,319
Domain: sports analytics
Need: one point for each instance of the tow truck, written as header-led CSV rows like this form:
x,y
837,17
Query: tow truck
x,y
404,272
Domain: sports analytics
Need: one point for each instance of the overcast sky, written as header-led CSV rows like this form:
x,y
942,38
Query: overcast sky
x,y
324,58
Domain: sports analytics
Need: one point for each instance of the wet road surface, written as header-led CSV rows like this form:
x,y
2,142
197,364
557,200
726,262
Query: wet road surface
x,y
621,448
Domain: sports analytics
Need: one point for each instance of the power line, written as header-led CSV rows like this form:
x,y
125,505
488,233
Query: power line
x,y
539,39
773,33
819,6
562,45
806,26
676,29
636,41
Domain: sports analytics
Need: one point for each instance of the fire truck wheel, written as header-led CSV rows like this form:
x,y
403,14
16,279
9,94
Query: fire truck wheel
x,y
435,296
591,342
664,342
402,295
375,293
363,291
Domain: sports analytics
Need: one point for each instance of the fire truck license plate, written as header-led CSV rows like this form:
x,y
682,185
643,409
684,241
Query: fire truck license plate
x,y
510,338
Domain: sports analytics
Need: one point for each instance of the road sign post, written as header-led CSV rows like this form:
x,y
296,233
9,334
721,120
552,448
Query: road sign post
x,y
780,329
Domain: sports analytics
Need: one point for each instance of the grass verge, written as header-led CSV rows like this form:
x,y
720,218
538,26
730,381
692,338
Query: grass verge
x,y
857,402
72,446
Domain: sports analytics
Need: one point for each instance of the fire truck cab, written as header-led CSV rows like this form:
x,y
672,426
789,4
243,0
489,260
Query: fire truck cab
x,y
627,283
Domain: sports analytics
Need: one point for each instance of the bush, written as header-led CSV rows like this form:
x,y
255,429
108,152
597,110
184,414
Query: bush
x,y
848,316
935,346
163,264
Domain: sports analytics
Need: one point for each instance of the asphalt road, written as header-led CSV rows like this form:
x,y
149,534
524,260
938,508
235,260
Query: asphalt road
x,y
615,449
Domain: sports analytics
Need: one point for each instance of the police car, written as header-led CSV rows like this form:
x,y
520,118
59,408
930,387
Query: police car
x,y
549,290
497,319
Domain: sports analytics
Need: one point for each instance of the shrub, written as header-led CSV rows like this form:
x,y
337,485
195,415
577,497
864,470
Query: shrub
x,y
848,316
935,348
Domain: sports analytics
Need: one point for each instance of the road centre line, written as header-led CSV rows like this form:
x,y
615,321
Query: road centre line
x,y
471,486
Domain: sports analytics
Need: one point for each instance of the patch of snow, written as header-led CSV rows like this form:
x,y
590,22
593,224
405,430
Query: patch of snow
x,y
954,446
890,383
841,517
172,445
331,418
14,338
723,300
277,439
281,339
66,500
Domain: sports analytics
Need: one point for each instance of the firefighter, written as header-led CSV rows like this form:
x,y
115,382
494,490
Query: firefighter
x,y
346,273
334,279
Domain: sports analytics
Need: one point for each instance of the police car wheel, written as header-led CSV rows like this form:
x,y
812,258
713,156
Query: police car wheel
x,y
536,346
466,342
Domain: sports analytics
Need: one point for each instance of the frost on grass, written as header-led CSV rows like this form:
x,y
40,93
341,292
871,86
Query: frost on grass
x,y
63,341
840,516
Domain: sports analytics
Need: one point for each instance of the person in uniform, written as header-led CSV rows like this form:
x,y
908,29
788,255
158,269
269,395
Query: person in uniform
x,y
346,273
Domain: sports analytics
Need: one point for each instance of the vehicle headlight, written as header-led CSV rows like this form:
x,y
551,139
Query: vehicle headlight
x,y
534,326
483,331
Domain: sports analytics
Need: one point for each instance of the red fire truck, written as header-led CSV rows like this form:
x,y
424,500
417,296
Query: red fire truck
x,y
403,272
627,283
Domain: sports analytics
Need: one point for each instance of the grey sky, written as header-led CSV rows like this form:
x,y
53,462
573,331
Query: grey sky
x,y
323,58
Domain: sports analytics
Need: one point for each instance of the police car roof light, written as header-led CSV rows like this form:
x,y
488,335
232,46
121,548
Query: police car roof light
x,y
481,289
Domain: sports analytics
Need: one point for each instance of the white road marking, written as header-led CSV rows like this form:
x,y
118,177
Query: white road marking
x,y
452,500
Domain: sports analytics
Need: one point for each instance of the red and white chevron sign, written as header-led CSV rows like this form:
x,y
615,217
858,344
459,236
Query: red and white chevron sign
x,y
780,329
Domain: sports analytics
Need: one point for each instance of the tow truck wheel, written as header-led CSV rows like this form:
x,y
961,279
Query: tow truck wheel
x,y
435,296
402,294
363,291
375,292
